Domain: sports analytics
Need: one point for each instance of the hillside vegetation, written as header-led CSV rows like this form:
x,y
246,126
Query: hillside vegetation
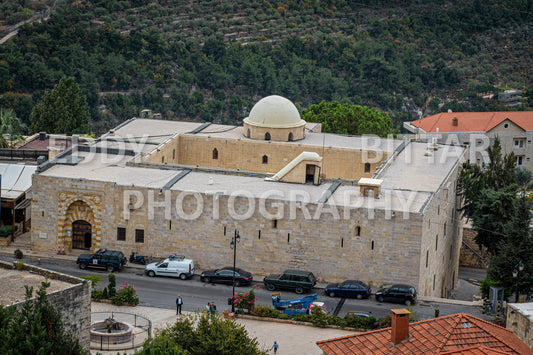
x,y
212,60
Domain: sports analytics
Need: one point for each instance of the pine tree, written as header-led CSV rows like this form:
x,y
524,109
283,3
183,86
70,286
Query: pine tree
x,y
62,110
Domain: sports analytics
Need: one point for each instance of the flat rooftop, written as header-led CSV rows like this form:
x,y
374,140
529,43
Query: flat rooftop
x,y
414,172
13,281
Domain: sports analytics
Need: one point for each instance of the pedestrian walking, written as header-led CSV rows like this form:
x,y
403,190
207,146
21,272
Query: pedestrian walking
x,y
275,347
213,308
179,303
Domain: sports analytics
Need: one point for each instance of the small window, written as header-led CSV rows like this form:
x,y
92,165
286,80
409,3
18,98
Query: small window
x,y
519,160
436,242
291,137
162,159
274,223
367,167
372,245
357,231
215,153
259,235
139,236
173,154
427,258
121,234
444,228
248,133
288,237
265,159
342,242
433,282
224,230
267,136
169,225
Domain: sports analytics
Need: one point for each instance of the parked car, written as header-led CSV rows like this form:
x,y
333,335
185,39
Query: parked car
x,y
349,288
299,281
110,260
398,293
225,276
174,266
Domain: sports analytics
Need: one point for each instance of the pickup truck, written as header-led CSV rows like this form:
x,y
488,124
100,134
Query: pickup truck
x,y
107,259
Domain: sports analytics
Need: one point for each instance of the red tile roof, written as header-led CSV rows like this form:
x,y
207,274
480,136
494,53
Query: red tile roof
x,y
450,334
473,121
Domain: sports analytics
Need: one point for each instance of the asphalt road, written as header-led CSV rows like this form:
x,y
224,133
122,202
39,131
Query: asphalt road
x,y
161,292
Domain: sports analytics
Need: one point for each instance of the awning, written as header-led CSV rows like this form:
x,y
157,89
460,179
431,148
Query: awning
x,y
23,204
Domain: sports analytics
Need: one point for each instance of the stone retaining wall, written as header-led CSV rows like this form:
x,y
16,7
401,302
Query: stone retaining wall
x,y
74,302
476,258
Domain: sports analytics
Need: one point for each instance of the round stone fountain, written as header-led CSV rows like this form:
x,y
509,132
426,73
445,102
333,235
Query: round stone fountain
x,y
110,331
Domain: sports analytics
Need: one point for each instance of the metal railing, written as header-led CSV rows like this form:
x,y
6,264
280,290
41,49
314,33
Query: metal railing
x,y
142,330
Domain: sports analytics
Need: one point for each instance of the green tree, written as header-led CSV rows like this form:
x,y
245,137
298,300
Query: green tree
x,y
348,119
200,334
516,247
62,110
11,128
36,328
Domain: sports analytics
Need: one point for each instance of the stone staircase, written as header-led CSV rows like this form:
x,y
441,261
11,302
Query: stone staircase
x,y
22,241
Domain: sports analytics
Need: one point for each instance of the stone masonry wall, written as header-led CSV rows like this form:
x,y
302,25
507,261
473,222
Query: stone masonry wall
x,y
74,303
365,244
247,155
471,254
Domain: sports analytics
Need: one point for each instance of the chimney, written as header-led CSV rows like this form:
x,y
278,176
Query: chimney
x,y
42,136
455,121
400,325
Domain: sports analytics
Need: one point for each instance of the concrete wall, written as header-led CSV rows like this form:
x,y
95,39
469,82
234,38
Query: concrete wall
x,y
74,303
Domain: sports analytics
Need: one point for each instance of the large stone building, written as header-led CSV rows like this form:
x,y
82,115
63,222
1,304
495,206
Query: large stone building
x,y
379,210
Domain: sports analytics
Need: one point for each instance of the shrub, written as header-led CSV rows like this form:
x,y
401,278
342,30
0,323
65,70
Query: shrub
x,y
6,230
97,294
262,311
111,287
283,316
274,313
125,295
485,285
105,294
19,265
95,279
301,317
318,317
246,300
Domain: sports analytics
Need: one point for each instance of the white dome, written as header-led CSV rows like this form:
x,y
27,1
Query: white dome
x,y
276,112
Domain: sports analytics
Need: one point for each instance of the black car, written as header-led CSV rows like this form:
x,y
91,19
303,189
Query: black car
x,y
107,259
299,281
398,293
225,276
349,288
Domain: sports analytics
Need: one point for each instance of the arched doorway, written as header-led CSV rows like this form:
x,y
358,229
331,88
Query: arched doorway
x,y
81,235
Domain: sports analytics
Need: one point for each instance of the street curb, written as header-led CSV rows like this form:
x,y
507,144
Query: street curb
x,y
295,322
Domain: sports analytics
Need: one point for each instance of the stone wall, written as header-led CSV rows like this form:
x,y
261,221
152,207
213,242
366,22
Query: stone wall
x,y
365,244
247,155
520,321
471,254
74,303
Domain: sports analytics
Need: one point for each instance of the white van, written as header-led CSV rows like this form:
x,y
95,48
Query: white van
x,y
175,266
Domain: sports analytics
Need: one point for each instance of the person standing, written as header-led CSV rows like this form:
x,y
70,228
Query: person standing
x,y
213,308
275,347
179,303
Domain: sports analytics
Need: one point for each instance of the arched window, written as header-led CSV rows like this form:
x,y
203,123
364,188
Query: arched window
x,y
248,133
215,153
267,136
265,159
162,159
367,167
291,137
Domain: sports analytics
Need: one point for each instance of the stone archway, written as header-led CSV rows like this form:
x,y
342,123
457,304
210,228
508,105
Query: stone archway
x,y
80,226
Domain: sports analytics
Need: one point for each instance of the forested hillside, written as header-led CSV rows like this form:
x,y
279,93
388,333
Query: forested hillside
x,y
212,60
